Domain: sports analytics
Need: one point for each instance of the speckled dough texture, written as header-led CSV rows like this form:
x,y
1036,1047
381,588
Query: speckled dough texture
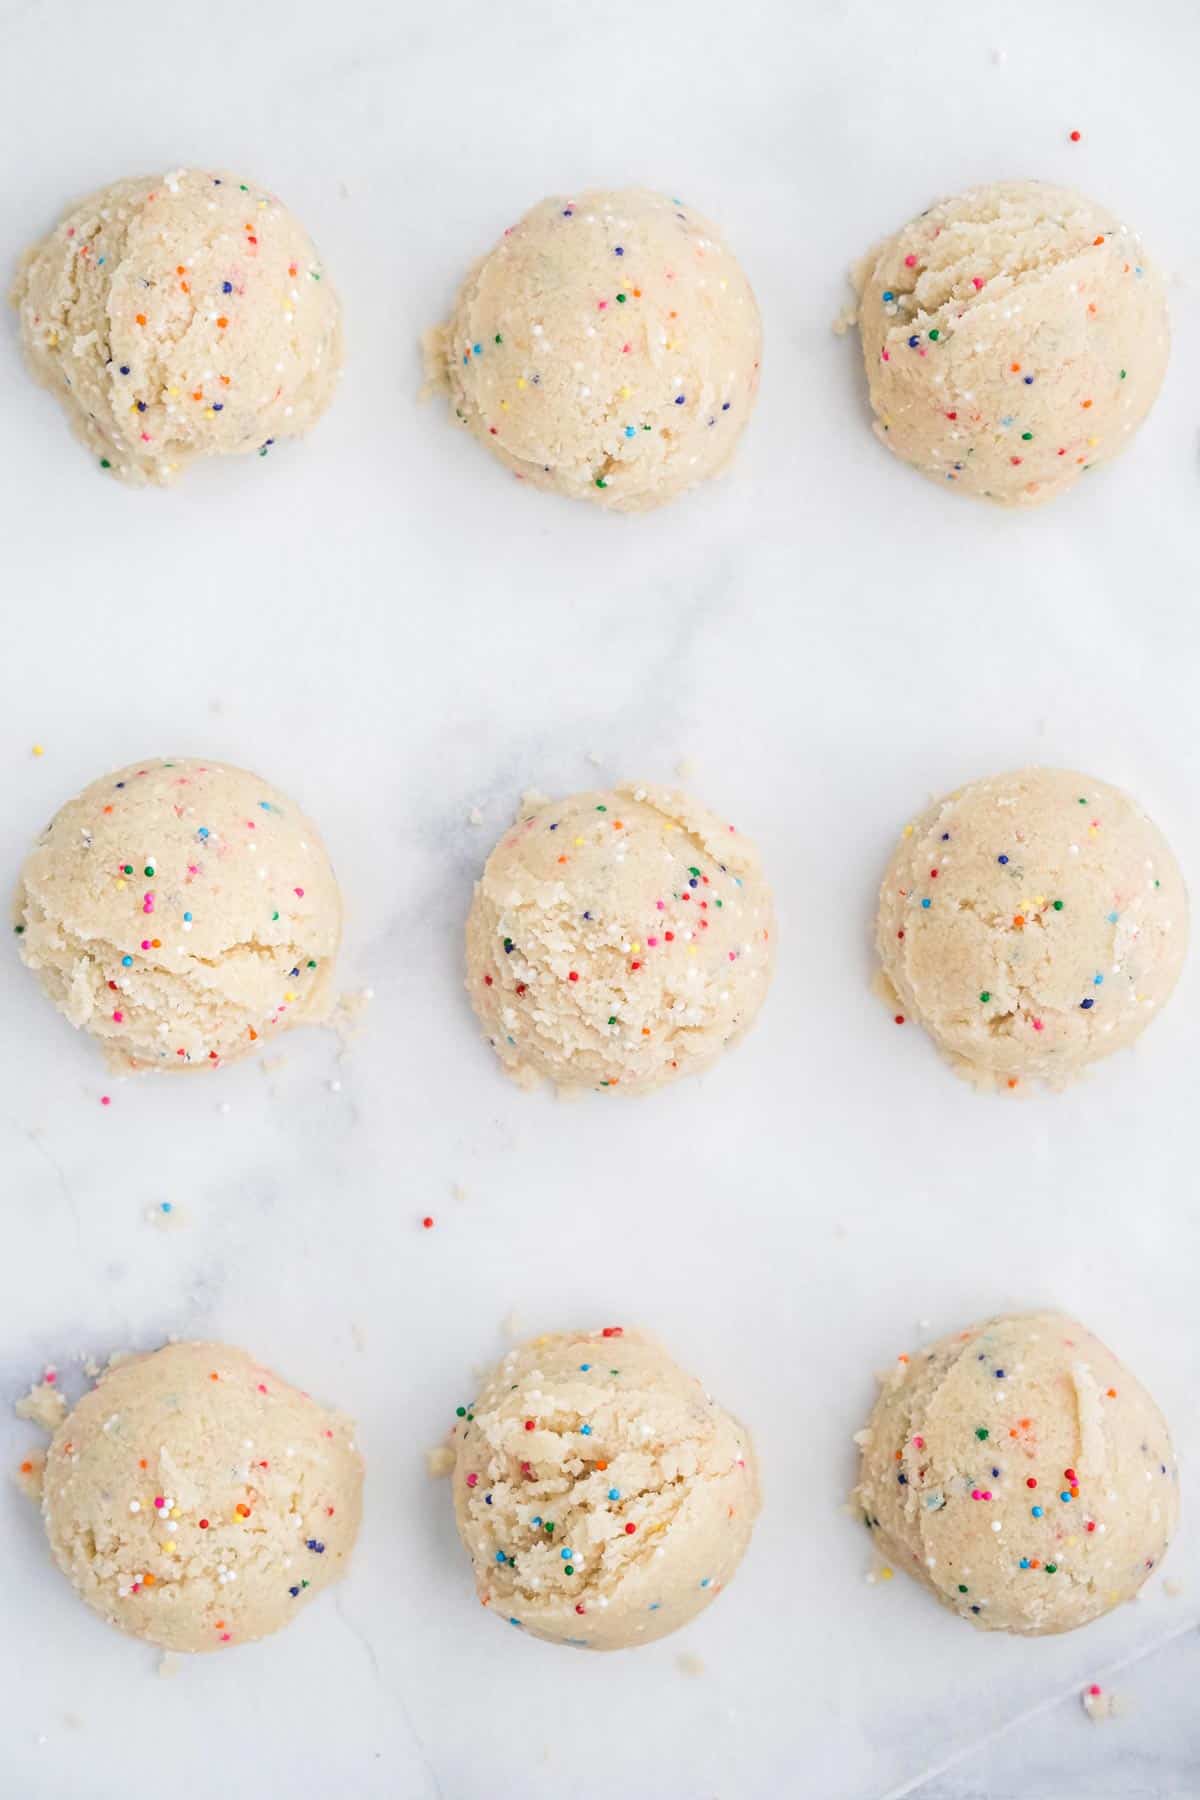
x,y
196,1500
607,348
1013,337
603,1498
618,939
1021,1473
178,316
181,912
1032,923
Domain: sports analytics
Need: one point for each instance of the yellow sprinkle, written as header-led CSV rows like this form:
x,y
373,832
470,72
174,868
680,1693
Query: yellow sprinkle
x,y
578,841
886,1574
691,949
625,392
1093,442
38,750
209,413
173,393
169,1546
908,831
634,948
122,884
520,381
289,997
504,406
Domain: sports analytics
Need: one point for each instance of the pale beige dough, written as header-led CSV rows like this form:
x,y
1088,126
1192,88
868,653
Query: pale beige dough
x,y
178,316
1032,923
573,1440
1020,1472
618,939
196,1500
182,912
1014,336
607,348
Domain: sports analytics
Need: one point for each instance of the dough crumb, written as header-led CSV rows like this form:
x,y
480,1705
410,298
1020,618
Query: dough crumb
x,y
475,815
169,1665
1172,1589
687,1664
1098,1704
29,1473
44,1406
439,1462
167,1215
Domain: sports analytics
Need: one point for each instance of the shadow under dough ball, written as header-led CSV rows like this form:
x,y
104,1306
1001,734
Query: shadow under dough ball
x,y
602,1496
181,912
618,939
607,348
1014,337
179,316
1020,1473
196,1500
1032,923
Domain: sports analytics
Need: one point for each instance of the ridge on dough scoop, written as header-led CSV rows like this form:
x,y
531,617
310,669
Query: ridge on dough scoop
x,y
180,911
197,1501
1020,1473
607,348
177,316
618,939
603,1497
1014,337
1032,923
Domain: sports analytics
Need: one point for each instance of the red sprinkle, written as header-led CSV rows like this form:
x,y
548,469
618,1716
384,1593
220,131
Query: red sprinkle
x,y
427,1222
630,1529
1075,136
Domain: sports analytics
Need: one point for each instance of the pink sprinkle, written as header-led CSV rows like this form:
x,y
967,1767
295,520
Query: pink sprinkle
x,y
987,1493
1039,1025
602,305
106,1099
118,1018
977,282
919,1442
910,262
299,893
975,1494
262,1387
70,231
51,1376
472,1480
145,943
661,905
733,956
159,1501
224,1637
625,349
884,356
1094,1689
148,902
652,943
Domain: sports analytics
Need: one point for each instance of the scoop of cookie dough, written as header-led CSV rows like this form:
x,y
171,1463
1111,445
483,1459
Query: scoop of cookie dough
x,y
181,911
607,348
1013,337
618,939
1020,1472
196,1500
178,316
1032,923
603,1498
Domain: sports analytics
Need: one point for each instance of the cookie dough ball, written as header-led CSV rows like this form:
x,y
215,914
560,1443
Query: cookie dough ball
x,y
181,912
618,939
1032,923
196,1500
608,348
603,1498
1021,1473
1013,337
178,316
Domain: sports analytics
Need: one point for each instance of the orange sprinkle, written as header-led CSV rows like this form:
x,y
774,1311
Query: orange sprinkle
x,y
156,943
602,1466
142,1463
140,318
636,292
645,1031
186,289
1019,921
1098,240
618,824
198,395
562,859
1035,1563
1085,404
27,1468
253,1033
1112,1393
179,269
213,1376
108,809
291,268
222,322
149,1580
224,380
1012,1081
1015,367
242,1510
902,1358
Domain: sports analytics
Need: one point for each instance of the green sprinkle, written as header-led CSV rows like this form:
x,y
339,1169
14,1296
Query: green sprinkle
x,y
127,868
934,336
315,274
1122,374
460,1412
602,809
981,1432
613,1020
1051,1568
274,915
621,302
568,1569
149,869
720,903
1026,437
497,339
985,997
242,188
962,1589
311,963
104,463
18,929
550,1526
1058,906
695,872
1082,801
600,481
305,1584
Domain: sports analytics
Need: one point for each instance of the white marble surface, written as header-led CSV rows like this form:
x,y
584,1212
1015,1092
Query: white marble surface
x,y
382,623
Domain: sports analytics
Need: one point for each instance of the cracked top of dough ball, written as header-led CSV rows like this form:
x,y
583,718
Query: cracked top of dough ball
x,y
182,912
603,1497
1020,1472
607,348
618,939
196,1500
178,316
1014,336
1032,923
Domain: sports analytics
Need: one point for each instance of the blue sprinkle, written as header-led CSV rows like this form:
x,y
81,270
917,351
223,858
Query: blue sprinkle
x,y
1008,421
227,287
312,1544
1097,981
1024,1562
487,1498
630,431
927,904
1065,1497
535,1521
203,831
692,882
124,368
945,837
619,251
888,296
680,399
141,406
476,349
614,1493
165,1207
587,915
1029,381
1113,917
903,1480
585,1431
654,1607
554,827
514,1621
566,1555
1087,1005
999,1374
127,962
707,1582
976,1609
187,918
726,405
1037,1512
995,1474
500,1557
913,342
585,1367
293,1592
1002,859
